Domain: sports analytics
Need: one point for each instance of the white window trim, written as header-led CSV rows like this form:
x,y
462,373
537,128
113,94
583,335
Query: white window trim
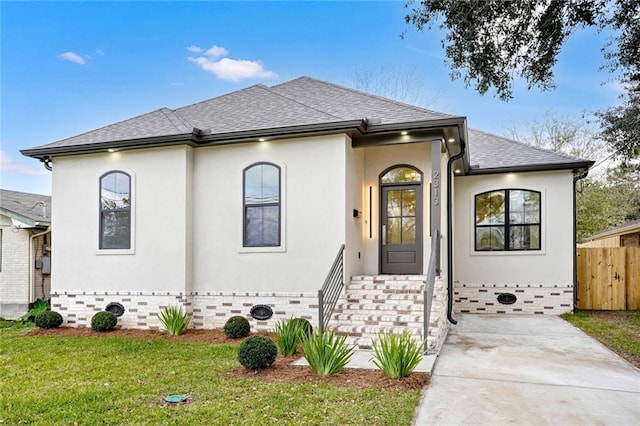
x,y
116,252
282,248
543,223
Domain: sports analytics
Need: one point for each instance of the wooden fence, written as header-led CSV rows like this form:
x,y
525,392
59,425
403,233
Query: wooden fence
x,y
608,278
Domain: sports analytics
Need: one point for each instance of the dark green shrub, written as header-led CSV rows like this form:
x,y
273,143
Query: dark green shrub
x,y
305,325
257,352
236,327
104,321
48,319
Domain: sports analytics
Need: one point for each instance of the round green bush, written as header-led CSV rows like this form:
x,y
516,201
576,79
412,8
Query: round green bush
x,y
48,319
257,352
236,327
306,326
104,321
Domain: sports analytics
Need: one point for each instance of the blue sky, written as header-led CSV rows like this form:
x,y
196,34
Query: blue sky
x,y
70,67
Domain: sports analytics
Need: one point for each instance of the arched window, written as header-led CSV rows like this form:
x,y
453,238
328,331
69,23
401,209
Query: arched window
x,y
401,174
261,205
507,219
115,210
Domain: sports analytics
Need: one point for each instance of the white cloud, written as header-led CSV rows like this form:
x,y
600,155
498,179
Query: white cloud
x,y
226,68
72,57
216,52
100,52
179,83
8,164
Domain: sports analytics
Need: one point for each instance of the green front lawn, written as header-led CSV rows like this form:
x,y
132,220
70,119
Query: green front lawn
x,y
84,380
618,330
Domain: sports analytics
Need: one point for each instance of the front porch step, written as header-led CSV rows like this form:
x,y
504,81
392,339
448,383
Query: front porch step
x,y
373,305
364,317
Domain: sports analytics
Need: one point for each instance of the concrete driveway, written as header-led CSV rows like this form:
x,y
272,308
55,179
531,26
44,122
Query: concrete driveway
x,y
528,370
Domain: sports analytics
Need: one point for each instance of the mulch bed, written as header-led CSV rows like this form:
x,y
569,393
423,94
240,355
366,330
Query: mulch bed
x,y
281,371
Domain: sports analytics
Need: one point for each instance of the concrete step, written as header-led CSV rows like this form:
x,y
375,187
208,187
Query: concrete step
x,y
371,297
388,278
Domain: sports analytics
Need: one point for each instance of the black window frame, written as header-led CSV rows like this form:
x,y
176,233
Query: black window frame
x,y
508,226
245,206
107,210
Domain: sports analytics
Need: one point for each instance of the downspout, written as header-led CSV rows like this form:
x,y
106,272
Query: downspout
x,y
32,276
450,233
576,177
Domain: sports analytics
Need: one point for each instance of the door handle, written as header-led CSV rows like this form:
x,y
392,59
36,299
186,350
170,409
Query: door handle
x,y
384,234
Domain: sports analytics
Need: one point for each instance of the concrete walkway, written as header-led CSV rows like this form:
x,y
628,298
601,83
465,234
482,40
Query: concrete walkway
x,y
528,370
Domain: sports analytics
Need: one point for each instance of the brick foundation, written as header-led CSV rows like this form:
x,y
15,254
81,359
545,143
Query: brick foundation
x,y
531,299
209,310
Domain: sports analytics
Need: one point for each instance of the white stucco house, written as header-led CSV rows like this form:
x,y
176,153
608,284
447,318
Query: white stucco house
x,y
25,251
241,203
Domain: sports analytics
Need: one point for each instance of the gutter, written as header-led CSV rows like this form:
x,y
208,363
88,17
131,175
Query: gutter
x,y
31,263
531,168
459,155
198,137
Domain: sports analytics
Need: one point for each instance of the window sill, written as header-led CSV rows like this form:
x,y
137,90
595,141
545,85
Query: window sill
x,y
104,252
509,253
279,249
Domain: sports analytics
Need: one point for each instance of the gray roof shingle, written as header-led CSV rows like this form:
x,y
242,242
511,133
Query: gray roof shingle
x,y
25,205
301,102
488,152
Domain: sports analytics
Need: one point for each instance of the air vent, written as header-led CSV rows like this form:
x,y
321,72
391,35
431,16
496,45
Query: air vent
x,y
261,312
507,298
115,308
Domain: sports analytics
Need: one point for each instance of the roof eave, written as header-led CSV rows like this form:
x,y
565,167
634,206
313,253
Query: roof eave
x,y
32,223
574,166
199,138
623,230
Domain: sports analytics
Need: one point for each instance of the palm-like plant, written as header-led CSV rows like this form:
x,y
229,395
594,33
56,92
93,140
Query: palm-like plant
x,y
174,319
326,352
397,355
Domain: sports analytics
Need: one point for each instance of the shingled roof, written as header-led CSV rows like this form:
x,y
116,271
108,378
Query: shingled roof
x,y
301,106
30,210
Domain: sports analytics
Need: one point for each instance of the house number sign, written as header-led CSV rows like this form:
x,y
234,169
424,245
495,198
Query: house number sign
x,y
436,187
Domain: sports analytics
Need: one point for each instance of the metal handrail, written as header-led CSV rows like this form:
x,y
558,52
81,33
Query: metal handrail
x,y
430,284
329,294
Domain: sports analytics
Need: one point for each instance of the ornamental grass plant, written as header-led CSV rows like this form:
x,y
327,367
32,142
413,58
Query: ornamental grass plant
x,y
397,355
326,352
289,334
174,320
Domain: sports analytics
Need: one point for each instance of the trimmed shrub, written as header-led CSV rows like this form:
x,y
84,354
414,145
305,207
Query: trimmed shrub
x,y
103,321
326,352
174,320
257,352
48,319
305,325
236,327
397,355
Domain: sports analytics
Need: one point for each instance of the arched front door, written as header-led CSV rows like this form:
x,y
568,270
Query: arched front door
x,y
401,220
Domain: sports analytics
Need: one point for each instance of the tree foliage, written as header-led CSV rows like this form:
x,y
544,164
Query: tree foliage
x,y
489,43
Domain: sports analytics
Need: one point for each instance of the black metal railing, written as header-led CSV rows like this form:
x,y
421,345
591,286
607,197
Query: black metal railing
x,y
432,271
329,294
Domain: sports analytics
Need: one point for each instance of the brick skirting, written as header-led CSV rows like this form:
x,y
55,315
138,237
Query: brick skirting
x,y
531,299
209,310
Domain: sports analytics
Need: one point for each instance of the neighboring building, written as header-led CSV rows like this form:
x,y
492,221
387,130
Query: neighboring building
x,y
625,235
245,199
25,251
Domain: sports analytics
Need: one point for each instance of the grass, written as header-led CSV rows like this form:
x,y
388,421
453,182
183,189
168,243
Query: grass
x,y
85,380
618,330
